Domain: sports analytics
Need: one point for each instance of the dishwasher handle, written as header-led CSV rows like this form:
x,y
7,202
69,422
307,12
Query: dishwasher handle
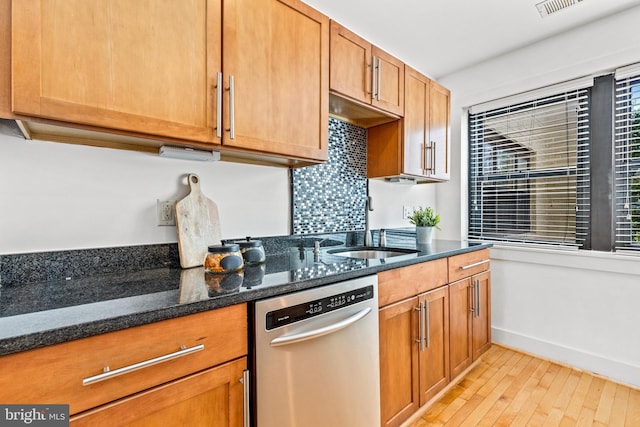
x,y
315,333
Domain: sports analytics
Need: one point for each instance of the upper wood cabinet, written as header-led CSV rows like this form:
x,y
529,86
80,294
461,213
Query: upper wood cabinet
x,y
364,72
133,66
416,147
251,75
439,131
277,53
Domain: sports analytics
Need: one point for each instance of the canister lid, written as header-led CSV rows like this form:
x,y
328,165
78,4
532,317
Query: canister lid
x,y
224,248
248,243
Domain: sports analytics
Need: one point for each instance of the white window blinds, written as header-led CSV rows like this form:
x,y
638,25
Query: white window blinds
x,y
627,159
529,171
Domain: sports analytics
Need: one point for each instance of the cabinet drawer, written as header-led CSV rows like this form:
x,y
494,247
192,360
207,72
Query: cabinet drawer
x,y
213,397
55,374
405,282
465,265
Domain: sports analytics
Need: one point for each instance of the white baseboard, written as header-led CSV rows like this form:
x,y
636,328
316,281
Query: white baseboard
x,y
620,372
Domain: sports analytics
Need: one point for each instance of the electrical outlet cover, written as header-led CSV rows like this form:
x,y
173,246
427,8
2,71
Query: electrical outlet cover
x,y
165,212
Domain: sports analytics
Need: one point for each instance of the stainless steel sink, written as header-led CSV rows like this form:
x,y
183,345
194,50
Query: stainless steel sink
x,y
372,252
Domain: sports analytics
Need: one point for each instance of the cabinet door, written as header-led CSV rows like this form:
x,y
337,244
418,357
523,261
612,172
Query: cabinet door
x,y
434,358
389,85
5,59
439,112
277,53
416,122
141,66
482,314
212,398
460,351
398,362
350,64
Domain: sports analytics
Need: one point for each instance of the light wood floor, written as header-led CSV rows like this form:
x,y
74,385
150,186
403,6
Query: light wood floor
x,y
509,388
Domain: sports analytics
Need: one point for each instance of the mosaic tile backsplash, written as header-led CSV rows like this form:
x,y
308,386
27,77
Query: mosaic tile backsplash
x,y
330,197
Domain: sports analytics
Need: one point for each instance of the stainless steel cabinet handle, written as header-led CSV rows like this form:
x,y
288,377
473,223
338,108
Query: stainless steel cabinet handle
x,y
379,78
420,339
232,108
475,264
107,374
315,333
477,312
424,158
373,78
427,334
245,401
219,106
428,166
472,296
433,157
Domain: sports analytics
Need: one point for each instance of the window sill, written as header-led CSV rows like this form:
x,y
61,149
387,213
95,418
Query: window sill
x,y
568,258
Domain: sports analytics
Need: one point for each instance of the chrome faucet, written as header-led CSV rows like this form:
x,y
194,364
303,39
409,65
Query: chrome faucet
x,y
367,232
317,244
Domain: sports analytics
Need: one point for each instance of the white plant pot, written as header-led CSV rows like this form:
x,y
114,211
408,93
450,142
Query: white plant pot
x,y
424,235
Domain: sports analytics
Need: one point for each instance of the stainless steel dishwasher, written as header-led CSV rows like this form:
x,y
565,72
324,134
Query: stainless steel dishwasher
x,y
317,357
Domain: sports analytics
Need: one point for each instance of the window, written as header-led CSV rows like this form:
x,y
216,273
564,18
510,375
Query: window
x,y
529,168
627,159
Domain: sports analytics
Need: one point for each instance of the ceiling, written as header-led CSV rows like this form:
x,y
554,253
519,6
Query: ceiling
x,y
440,37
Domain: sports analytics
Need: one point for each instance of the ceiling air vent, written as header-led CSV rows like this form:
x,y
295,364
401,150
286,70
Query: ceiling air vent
x,y
552,6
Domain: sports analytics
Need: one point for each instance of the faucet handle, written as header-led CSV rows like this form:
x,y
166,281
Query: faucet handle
x,y
383,238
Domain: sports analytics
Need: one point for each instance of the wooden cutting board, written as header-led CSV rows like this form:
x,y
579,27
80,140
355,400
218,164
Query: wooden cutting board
x,y
197,224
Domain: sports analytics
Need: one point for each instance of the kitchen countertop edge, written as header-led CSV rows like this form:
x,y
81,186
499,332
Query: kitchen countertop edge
x,y
43,338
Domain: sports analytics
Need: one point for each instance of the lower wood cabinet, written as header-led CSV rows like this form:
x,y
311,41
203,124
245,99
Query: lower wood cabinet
x,y
470,320
182,371
470,308
414,338
430,331
212,398
398,362
434,349
481,318
414,353
459,326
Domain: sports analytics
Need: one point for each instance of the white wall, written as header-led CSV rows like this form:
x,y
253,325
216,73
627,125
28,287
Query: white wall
x,y
582,310
57,196
389,198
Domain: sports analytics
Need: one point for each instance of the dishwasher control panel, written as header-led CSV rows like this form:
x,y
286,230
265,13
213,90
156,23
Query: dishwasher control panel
x,y
296,313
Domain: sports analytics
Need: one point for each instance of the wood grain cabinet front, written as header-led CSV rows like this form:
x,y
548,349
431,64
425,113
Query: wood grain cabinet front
x,y
252,75
102,369
364,72
211,398
430,330
414,353
414,338
470,309
416,146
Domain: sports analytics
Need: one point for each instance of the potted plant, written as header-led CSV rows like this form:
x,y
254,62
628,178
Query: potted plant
x,y
425,220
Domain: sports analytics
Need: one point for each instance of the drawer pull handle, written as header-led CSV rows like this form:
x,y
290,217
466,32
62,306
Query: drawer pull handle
x,y
107,374
475,264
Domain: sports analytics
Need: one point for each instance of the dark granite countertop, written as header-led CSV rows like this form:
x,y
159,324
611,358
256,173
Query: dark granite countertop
x,y
37,314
